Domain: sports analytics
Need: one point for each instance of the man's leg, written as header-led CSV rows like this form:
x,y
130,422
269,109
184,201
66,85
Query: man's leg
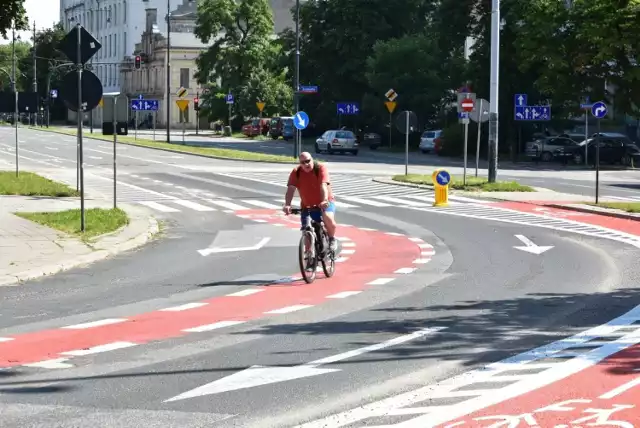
x,y
328,216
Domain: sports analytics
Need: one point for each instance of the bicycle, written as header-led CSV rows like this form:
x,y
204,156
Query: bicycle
x,y
314,247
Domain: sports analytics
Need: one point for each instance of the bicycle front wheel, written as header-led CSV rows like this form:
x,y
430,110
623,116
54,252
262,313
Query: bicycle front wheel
x,y
307,257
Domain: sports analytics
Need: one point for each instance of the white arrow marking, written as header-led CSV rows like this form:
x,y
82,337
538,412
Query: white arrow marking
x,y
530,246
261,375
521,100
598,110
301,120
207,251
519,115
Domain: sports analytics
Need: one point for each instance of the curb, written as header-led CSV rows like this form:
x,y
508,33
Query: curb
x,y
430,187
170,150
607,212
152,229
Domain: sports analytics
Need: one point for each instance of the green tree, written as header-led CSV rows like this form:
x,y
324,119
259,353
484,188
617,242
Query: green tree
x,y
241,57
6,58
10,11
47,57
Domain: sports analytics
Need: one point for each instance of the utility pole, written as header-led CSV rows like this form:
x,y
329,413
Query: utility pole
x,y
15,87
493,91
35,74
297,146
168,73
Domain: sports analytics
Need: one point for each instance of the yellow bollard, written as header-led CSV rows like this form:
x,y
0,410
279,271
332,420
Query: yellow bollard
x,y
441,180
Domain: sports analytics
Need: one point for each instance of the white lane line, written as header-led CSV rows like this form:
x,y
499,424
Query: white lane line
x,y
380,281
159,207
341,259
421,261
261,204
247,292
401,202
289,309
394,234
416,240
427,253
184,307
368,229
343,294
58,363
368,202
51,148
348,244
214,326
344,205
343,238
405,270
100,348
425,245
193,205
95,323
95,157
226,204
347,252
259,220
6,339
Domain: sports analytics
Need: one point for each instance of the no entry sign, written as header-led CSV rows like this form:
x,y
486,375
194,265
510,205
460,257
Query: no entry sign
x,y
467,104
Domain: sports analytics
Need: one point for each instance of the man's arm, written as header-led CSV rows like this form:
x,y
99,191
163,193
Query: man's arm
x,y
324,179
325,192
291,190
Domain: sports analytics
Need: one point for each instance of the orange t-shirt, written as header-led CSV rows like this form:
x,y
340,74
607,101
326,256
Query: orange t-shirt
x,y
309,186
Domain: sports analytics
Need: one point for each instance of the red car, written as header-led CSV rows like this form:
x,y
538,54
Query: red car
x,y
256,127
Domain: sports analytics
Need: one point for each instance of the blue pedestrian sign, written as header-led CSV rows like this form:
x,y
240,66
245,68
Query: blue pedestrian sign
x,y
229,98
300,120
599,110
348,108
144,105
443,178
54,93
520,100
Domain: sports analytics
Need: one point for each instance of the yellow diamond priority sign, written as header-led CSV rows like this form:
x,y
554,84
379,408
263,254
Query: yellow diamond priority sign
x,y
182,104
260,106
182,92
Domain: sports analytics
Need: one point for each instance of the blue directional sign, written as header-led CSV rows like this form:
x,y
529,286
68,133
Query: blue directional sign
x,y
520,100
140,97
229,98
54,93
463,115
533,113
300,120
599,110
309,89
144,105
443,178
348,108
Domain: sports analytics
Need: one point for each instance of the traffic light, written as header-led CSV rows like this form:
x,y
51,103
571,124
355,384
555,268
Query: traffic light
x,y
138,62
195,104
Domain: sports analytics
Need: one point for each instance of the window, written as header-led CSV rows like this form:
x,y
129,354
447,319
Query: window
x,y
124,12
184,77
124,44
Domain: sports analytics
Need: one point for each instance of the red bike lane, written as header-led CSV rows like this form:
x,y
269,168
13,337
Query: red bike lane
x,y
606,394
371,258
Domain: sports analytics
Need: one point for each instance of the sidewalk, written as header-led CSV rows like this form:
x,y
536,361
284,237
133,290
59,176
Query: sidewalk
x,y
29,250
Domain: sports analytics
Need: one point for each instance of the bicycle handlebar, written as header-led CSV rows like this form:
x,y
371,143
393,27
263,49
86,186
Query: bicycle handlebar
x,y
300,210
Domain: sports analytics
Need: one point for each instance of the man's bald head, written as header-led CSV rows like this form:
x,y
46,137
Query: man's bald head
x,y
306,160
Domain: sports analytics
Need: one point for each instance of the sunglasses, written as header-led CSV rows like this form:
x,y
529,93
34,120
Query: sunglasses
x,y
306,161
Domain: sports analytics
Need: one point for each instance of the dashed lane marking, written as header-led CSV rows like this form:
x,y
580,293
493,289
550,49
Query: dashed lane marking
x,y
98,349
95,324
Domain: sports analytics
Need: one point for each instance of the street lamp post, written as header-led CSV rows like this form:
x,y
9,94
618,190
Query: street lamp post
x,y
493,91
15,88
66,64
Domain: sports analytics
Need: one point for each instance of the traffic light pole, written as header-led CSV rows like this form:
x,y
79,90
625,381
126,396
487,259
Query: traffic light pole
x,y
80,117
168,73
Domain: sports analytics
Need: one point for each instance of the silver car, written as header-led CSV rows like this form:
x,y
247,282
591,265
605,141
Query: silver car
x,y
338,140
428,140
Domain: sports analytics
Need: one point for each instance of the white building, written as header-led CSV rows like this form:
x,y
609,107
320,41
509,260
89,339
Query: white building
x,y
117,25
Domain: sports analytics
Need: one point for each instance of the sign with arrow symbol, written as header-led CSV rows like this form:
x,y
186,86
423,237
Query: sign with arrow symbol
x,y
530,247
261,375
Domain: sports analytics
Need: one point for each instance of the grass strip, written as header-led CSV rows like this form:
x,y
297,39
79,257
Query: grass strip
x,y
473,184
30,184
98,221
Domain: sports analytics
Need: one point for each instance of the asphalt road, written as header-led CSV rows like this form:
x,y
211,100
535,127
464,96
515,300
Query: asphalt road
x,y
482,298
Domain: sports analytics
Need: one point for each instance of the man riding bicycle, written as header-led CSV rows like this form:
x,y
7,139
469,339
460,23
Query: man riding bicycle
x,y
314,187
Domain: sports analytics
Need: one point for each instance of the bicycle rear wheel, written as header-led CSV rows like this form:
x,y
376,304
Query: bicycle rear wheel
x,y
307,257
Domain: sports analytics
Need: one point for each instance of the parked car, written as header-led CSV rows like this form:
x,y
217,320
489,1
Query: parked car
x,y
372,140
337,140
256,127
548,148
276,126
288,130
614,148
429,140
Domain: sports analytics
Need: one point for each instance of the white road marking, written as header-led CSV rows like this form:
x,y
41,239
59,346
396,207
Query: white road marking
x,y
262,204
51,148
348,244
95,323
58,363
347,252
394,234
340,204
421,261
425,245
416,240
6,339
427,253
100,348
214,326
247,292
184,307
193,205
289,309
159,207
405,270
380,281
226,204
95,157
367,229
364,201
343,294
401,202
341,259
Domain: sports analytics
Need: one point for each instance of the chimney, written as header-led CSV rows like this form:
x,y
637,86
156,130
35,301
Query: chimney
x,y
151,20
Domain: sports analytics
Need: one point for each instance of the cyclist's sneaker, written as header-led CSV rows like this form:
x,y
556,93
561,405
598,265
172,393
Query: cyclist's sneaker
x,y
333,244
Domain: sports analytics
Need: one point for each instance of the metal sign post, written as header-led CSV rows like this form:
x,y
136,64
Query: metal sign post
x,y
466,139
135,132
80,117
598,110
480,115
154,126
406,147
115,141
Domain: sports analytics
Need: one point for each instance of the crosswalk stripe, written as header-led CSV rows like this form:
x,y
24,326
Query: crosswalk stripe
x,y
159,207
193,205
400,201
262,204
369,202
344,205
226,204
